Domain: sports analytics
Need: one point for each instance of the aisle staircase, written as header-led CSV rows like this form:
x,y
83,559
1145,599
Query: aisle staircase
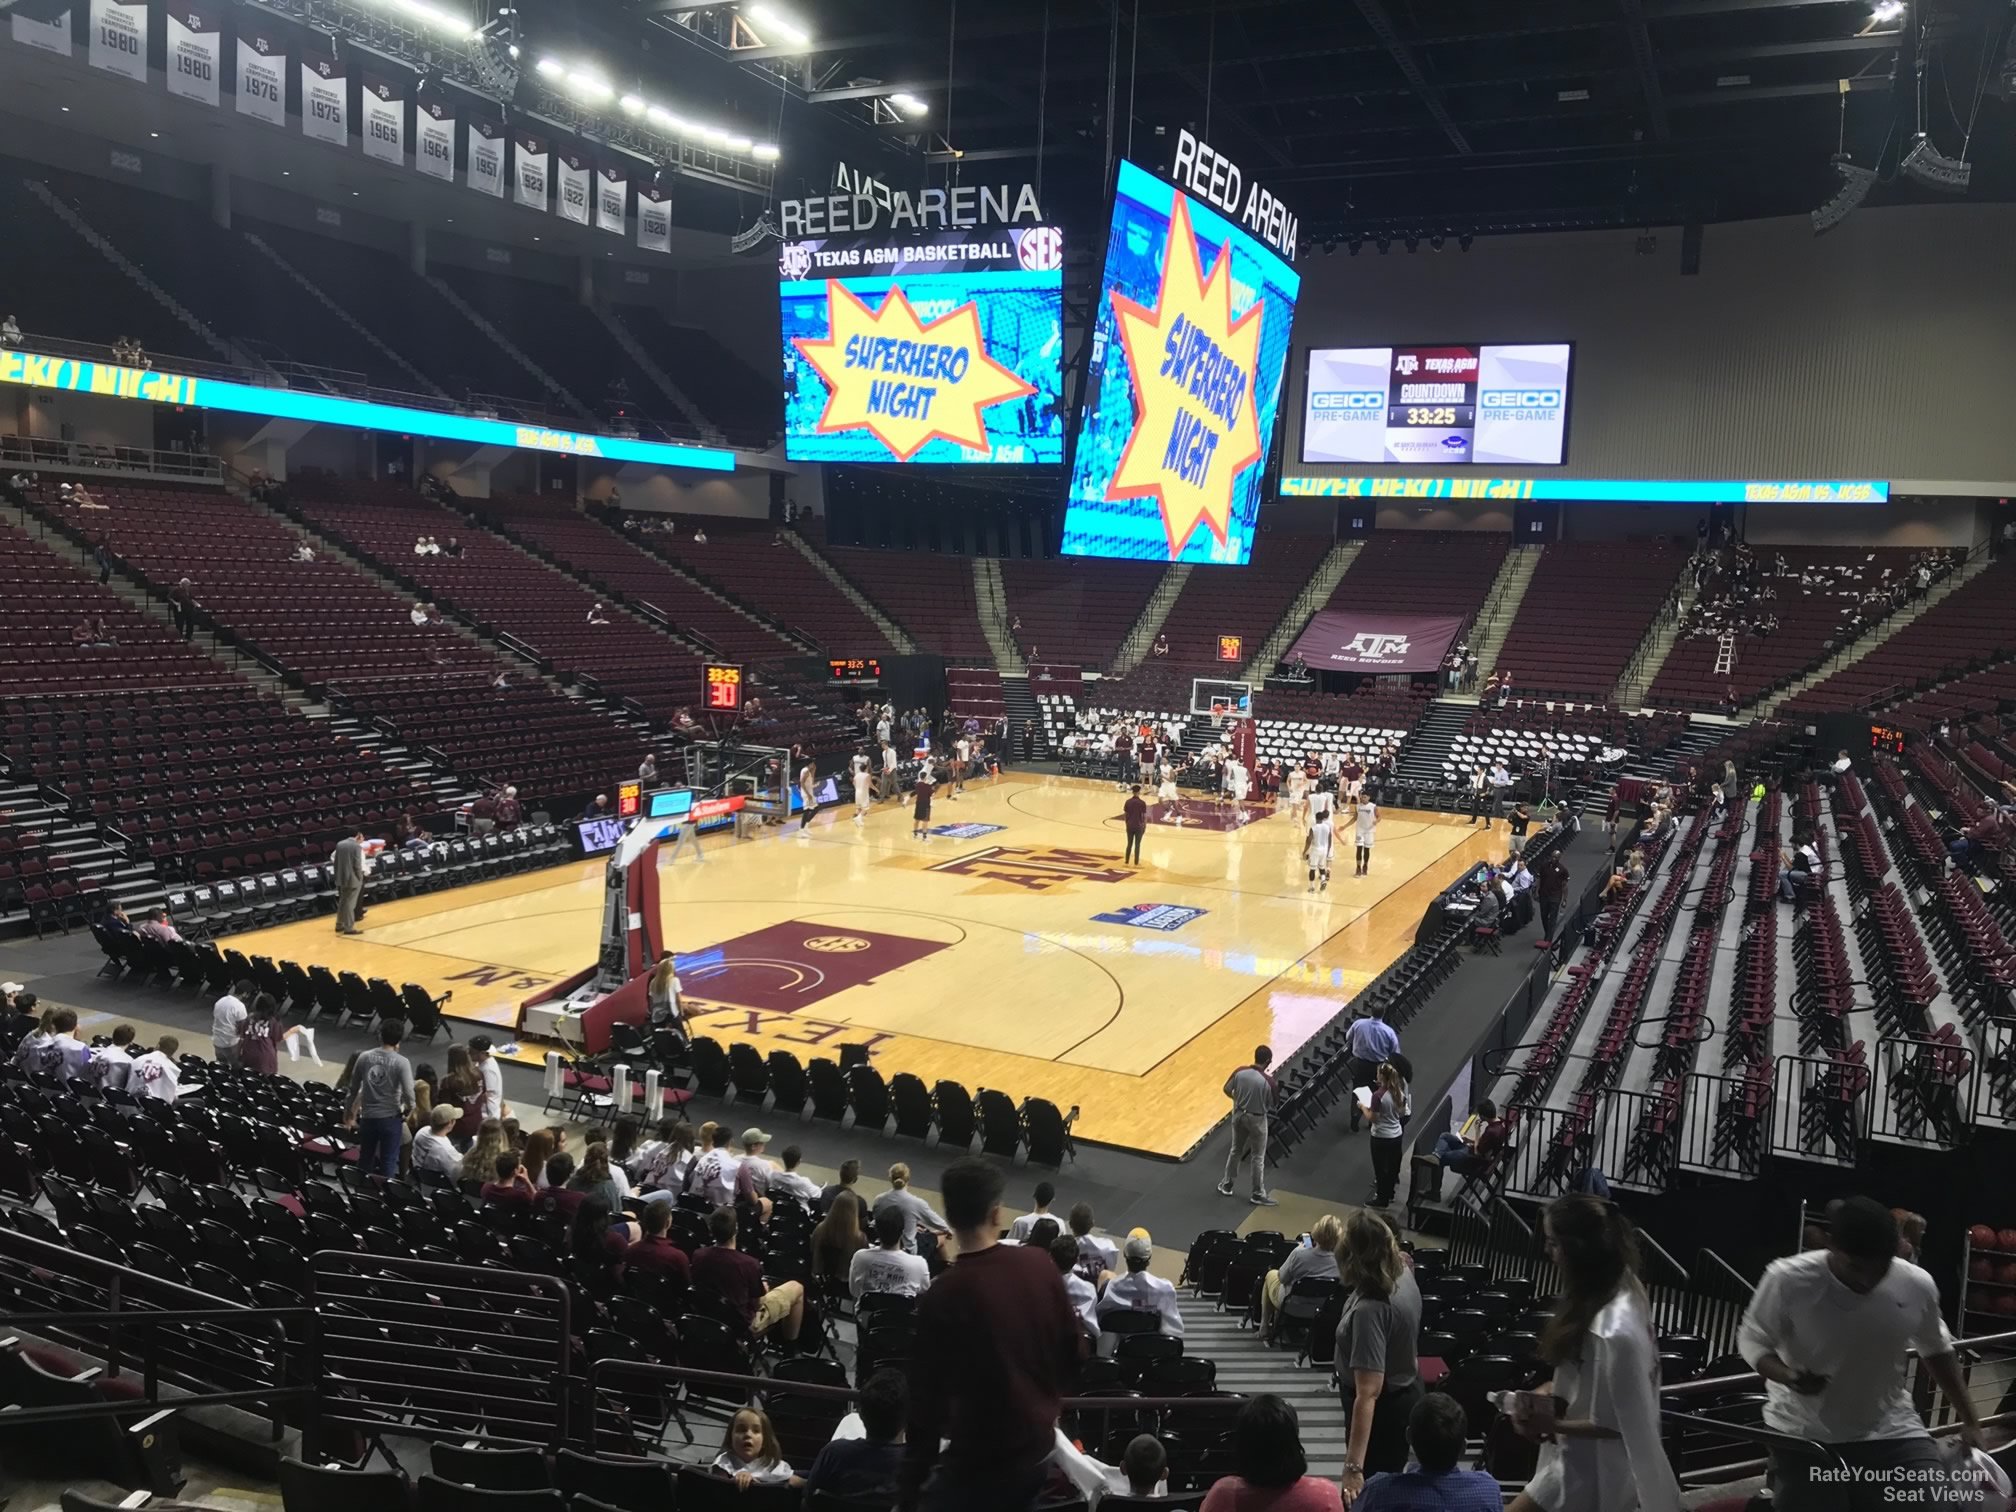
x,y
699,424
1019,699
548,384
1249,1368
1501,605
1153,614
991,597
1660,638
1432,740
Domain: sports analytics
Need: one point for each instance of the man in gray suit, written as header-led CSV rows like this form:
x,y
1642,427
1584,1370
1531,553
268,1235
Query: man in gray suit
x,y
349,882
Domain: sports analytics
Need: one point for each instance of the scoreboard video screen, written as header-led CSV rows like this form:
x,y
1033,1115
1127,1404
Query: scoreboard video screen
x,y
1438,406
942,347
1189,351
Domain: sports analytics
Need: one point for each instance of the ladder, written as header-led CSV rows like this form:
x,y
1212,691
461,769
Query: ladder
x,y
1725,653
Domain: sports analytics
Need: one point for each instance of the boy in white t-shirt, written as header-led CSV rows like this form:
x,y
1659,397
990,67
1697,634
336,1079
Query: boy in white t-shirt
x,y
156,1074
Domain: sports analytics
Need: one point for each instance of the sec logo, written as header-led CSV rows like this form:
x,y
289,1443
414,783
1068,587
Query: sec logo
x,y
838,944
795,261
1041,250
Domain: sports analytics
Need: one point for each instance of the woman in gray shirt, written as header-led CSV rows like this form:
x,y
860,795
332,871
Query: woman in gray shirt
x,y
1377,1368
1314,1261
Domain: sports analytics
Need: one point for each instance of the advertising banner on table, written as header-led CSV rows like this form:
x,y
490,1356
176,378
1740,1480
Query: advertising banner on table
x,y
1345,640
434,139
529,157
384,102
654,218
325,101
195,52
612,197
262,72
50,36
486,158
572,201
119,38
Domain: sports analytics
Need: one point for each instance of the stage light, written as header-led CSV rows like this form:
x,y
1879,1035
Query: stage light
x,y
1855,185
1926,165
632,104
1329,245
1463,242
764,152
739,144
1355,245
909,104
584,83
1384,244
783,27
1883,12
434,16
551,68
1413,243
1435,242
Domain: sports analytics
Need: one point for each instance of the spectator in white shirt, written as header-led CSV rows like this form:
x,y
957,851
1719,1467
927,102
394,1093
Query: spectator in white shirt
x,y
225,1017
485,1066
886,1267
1138,1291
1083,1296
156,1073
10,332
1841,763
1098,1257
115,1061
713,1174
1018,1231
431,1149
789,1183
1829,1330
420,616
597,617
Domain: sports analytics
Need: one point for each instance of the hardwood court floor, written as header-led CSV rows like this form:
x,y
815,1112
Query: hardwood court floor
x,y
1017,953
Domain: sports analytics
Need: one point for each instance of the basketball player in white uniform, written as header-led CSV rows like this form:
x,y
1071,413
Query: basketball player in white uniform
x,y
1368,821
1319,849
1298,790
1321,803
864,789
962,752
1166,794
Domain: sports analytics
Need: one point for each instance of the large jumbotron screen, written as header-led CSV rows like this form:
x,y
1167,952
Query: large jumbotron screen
x,y
945,347
1184,383
1438,406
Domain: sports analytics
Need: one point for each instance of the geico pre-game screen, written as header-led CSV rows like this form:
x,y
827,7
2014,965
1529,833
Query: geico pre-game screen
x,y
946,347
1438,406
1184,383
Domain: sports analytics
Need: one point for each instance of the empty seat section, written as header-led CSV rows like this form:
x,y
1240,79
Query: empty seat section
x,y
1246,602
1586,610
752,563
747,406
928,593
1075,610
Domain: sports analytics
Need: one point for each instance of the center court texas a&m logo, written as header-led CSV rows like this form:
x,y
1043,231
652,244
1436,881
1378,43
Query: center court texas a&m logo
x,y
1368,644
1037,868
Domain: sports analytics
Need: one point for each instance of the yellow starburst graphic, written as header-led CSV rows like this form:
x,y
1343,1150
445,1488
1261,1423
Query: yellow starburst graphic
x,y
1195,422
903,380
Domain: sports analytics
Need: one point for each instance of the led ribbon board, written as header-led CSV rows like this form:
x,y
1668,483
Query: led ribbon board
x,y
1598,490
1184,382
73,375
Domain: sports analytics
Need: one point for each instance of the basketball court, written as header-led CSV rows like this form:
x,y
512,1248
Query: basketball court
x,y
1012,950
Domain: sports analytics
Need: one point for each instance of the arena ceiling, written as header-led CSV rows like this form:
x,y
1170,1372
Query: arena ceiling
x,y
1383,115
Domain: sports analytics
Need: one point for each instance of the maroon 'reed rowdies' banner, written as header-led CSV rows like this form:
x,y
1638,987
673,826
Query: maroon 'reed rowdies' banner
x,y
1344,640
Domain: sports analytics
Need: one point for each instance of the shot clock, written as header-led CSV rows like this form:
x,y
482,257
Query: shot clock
x,y
721,688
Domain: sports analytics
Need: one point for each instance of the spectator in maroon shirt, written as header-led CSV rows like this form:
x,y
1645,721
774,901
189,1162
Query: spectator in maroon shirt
x,y
557,1197
996,1346
512,1190
1136,813
655,1253
737,1279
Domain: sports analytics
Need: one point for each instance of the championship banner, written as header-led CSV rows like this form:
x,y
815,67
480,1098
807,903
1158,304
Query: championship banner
x,y
654,218
612,197
528,178
486,158
262,72
195,52
434,140
119,38
1344,640
571,202
325,101
49,36
384,120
